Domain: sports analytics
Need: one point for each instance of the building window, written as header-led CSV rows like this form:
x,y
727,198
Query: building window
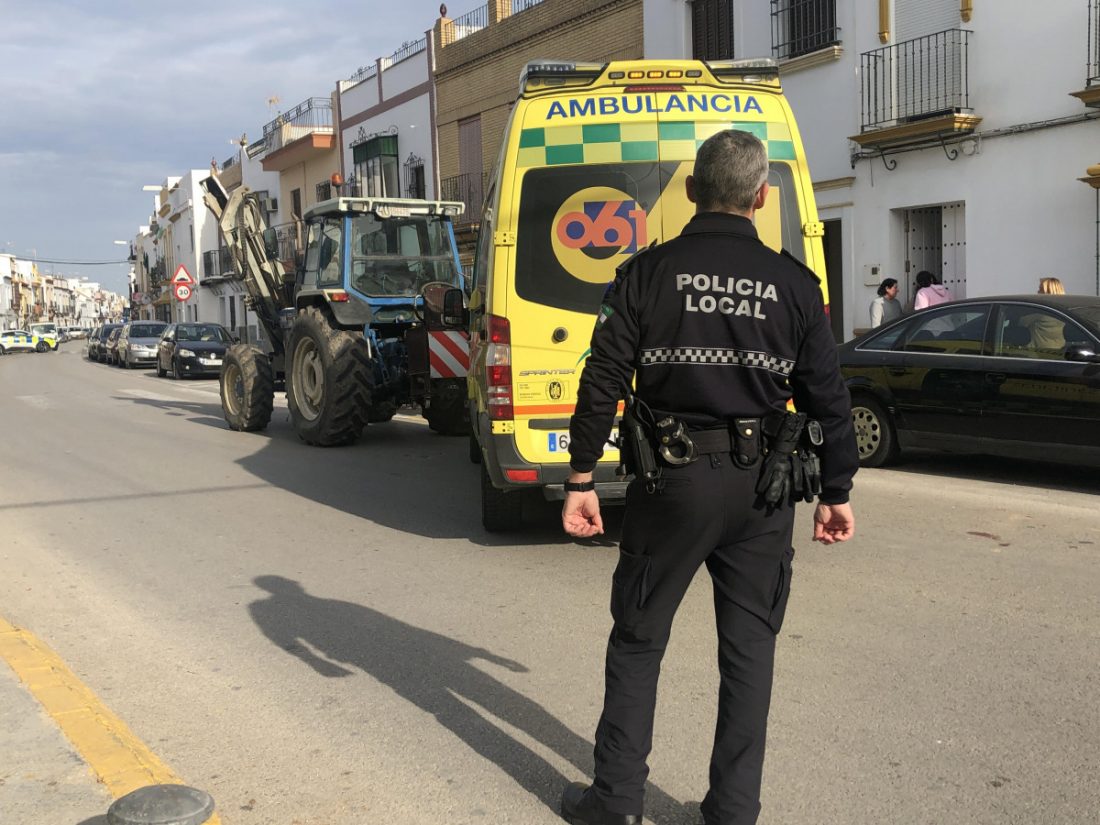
x,y
376,165
712,30
803,26
296,203
324,191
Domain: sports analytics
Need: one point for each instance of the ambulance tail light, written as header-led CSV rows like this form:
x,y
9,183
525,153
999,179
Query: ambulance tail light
x,y
498,365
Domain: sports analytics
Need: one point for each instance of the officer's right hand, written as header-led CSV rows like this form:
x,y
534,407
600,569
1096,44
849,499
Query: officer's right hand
x,y
580,516
833,523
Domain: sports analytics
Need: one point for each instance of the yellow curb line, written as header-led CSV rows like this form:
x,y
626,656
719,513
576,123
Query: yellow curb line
x,y
116,756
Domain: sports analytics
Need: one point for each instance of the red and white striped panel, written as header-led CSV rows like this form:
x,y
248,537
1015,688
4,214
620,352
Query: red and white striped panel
x,y
449,354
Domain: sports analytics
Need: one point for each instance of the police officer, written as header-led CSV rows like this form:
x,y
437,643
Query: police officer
x,y
717,331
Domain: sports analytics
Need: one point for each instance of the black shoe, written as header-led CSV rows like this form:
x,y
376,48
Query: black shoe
x,y
579,806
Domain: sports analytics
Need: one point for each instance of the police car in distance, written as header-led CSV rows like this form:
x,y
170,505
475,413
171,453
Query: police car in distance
x,y
19,340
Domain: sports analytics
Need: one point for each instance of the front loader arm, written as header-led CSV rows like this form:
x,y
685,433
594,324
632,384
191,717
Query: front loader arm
x,y
243,225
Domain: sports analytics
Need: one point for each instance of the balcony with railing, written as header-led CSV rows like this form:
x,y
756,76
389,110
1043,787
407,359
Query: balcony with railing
x,y
470,189
1090,95
299,134
916,91
217,263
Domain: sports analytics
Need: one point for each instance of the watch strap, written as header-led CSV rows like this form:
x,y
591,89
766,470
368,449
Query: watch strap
x,y
579,486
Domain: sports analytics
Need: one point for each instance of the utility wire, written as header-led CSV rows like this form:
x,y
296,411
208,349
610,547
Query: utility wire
x,y
78,263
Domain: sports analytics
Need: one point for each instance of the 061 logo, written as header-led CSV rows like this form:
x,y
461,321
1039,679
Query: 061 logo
x,y
595,230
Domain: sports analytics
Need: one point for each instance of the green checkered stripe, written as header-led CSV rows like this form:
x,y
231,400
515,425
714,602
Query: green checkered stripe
x,y
627,142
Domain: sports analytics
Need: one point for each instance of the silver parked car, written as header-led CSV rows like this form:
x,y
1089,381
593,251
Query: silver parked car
x,y
137,343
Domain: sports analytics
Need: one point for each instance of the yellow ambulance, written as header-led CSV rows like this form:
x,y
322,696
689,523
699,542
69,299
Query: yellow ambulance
x,y
591,169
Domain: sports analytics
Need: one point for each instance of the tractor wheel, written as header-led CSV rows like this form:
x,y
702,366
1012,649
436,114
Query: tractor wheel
x,y
247,388
501,511
381,412
327,381
447,411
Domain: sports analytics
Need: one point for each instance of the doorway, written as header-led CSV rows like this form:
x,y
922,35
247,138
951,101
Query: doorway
x,y
834,261
935,241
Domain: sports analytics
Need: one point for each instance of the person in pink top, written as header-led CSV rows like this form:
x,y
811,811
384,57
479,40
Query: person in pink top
x,y
929,291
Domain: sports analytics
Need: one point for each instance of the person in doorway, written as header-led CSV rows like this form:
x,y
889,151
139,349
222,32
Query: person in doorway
x,y
717,384
930,291
886,306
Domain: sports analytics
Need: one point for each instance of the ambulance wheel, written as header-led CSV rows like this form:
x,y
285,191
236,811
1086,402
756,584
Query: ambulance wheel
x,y
876,436
475,450
327,381
247,386
447,409
501,511
41,346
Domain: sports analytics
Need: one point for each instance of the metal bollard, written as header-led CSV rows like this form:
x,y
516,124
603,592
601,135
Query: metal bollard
x,y
162,805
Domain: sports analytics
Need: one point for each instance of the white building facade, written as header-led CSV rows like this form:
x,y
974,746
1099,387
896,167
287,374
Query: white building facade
x,y
941,135
386,127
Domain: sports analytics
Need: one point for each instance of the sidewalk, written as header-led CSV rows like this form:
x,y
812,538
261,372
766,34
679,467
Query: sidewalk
x,y
43,781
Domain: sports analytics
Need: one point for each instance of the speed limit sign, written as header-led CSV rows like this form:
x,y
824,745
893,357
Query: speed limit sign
x,y
183,292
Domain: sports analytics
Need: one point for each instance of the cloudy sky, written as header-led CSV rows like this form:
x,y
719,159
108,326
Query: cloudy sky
x,y
100,97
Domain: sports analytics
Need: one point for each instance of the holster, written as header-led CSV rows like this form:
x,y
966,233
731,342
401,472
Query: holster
x,y
636,448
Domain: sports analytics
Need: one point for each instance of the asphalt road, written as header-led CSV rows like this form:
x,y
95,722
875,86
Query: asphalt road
x,y
328,636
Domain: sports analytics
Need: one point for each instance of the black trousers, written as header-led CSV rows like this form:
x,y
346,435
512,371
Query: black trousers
x,y
707,513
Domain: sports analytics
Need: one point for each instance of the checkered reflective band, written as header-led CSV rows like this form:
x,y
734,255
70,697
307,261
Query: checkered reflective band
x,y
726,357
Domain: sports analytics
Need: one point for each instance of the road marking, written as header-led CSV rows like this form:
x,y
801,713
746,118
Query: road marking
x,y
118,758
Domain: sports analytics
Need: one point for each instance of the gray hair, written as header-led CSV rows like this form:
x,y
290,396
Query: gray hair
x,y
730,168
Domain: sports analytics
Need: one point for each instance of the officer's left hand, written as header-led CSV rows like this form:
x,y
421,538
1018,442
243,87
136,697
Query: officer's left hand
x,y
580,516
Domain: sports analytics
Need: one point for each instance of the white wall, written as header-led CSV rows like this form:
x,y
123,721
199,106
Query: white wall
x,y
1027,215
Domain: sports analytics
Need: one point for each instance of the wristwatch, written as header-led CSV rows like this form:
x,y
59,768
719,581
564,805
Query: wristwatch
x,y
579,486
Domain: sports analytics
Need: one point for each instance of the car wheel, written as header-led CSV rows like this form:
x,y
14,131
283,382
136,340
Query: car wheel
x,y
876,435
175,369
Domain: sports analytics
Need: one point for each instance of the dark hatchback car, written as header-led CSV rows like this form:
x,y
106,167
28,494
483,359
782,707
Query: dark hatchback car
x,y
96,341
192,349
1015,375
108,350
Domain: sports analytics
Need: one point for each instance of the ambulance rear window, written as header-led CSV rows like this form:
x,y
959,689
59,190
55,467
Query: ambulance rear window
x,y
577,223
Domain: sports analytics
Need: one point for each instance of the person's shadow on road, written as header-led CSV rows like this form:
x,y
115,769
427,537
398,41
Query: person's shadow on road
x,y
437,674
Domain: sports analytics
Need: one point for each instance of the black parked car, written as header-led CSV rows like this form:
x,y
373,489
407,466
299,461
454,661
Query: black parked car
x,y
108,350
192,349
1015,375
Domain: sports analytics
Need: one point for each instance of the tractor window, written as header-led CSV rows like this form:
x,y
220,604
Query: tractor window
x,y
397,256
323,252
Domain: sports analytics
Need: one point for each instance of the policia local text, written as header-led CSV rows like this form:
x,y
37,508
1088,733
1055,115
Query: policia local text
x,y
718,295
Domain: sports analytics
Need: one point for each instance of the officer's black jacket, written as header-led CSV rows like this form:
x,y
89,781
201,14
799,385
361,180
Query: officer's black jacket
x,y
716,326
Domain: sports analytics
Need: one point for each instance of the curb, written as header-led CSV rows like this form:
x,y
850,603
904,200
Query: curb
x,y
120,760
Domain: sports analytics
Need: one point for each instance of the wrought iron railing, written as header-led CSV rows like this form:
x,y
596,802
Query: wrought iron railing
x,y
312,115
406,51
364,73
217,263
523,5
803,26
229,161
324,191
470,189
915,80
1094,43
470,22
